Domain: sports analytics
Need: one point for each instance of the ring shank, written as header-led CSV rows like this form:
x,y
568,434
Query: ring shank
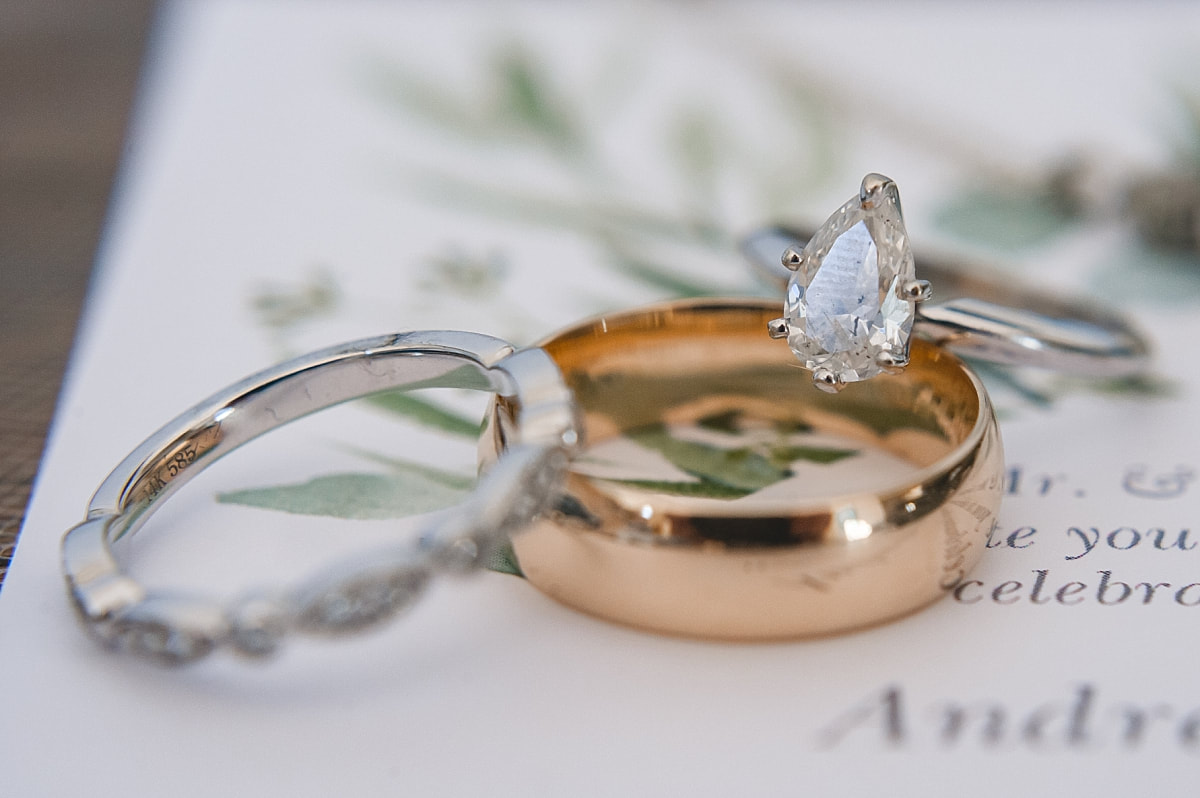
x,y
291,390
994,319
829,547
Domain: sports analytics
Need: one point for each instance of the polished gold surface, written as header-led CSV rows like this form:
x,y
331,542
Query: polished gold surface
x,y
882,497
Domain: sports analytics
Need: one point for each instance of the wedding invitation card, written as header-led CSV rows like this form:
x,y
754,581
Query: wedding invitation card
x,y
304,174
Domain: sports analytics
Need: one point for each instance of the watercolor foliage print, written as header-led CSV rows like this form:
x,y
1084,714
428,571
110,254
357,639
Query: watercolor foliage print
x,y
520,105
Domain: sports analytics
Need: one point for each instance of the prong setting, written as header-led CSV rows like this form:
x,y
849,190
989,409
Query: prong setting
x,y
792,259
891,362
777,328
825,379
872,188
916,290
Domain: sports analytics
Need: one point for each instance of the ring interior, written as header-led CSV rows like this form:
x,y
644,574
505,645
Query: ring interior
x,y
712,367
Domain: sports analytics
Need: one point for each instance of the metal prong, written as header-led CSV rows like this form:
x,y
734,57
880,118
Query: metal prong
x,y
777,328
826,380
916,290
792,259
891,362
872,188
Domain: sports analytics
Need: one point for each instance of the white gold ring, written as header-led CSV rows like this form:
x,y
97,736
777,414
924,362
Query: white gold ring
x,y
174,629
853,298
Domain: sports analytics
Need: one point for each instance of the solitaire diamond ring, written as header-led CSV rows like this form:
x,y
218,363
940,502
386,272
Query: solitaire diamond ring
x,y
854,300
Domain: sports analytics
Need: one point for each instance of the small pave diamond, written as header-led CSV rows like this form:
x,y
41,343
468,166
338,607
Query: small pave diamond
x,y
257,625
169,630
361,598
849,309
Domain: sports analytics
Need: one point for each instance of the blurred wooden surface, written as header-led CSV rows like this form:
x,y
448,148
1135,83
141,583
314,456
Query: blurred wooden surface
x,y
68,72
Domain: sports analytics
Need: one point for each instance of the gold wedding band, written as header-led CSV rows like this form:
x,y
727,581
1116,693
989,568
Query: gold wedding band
x,y
721,495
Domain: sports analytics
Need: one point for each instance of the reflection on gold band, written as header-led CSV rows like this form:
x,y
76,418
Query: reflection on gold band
x,y
721,495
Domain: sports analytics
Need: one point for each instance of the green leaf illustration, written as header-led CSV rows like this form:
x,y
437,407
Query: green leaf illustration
x,y
586,215
529,100
662,278
468,275
698,143
425,413
707,488
400,465
721,422
1004,219
283,306
1187,140
1138,385
791,426
408,489
741,468
416,95
810,114
521,100
727,422
354,496
504,561
701,147
1157,275
700,489
783,456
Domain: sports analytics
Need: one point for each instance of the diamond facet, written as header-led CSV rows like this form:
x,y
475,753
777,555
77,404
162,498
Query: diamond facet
x,y
847,310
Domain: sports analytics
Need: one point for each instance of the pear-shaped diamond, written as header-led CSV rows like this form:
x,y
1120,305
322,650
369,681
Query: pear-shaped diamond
x,y
852,299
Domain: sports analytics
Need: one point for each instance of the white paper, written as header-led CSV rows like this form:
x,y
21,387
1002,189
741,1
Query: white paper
x,y
267,155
